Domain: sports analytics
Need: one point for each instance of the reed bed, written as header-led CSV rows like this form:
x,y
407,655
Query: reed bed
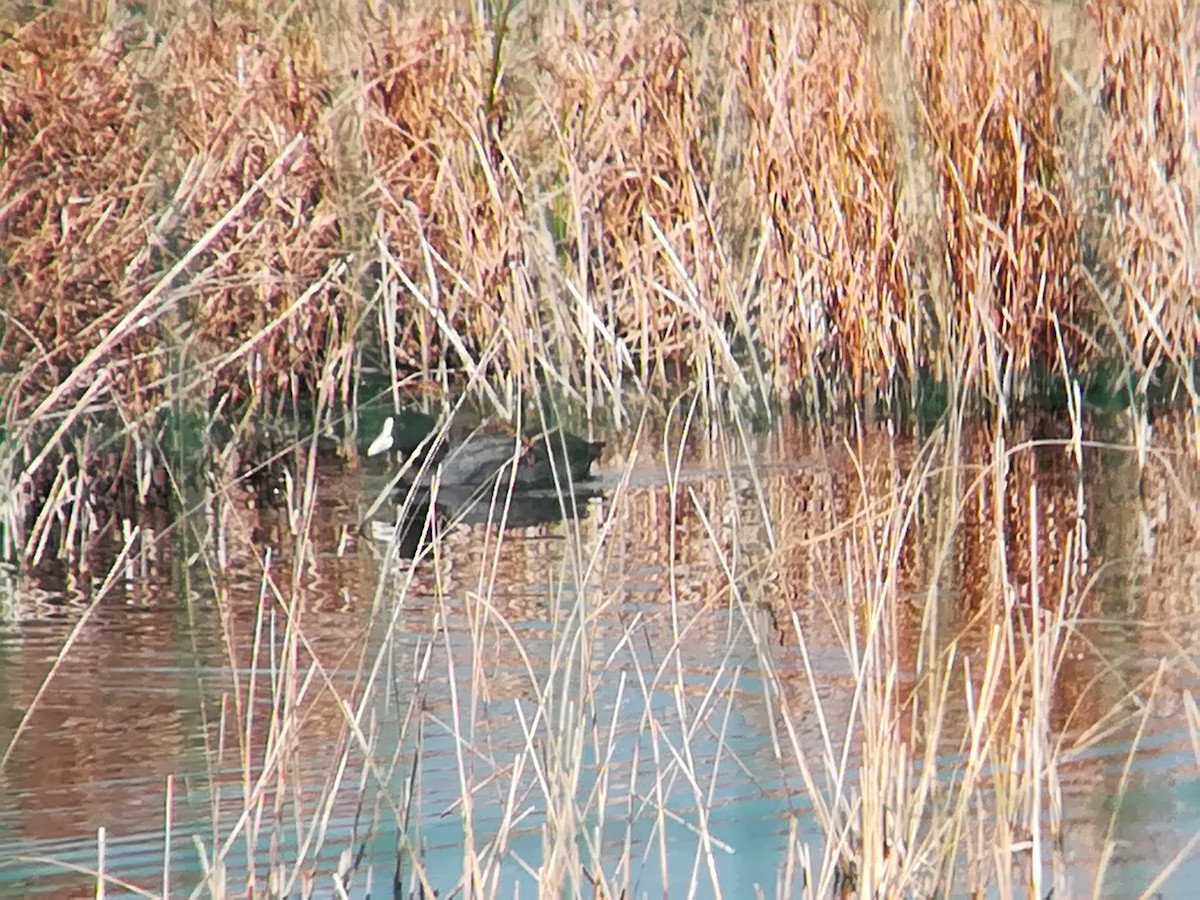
x,y
1008,226
823,203
220,225
1150,129
836,300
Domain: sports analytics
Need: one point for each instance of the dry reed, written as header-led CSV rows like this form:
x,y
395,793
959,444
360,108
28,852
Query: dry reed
x,y
1148,84
617,197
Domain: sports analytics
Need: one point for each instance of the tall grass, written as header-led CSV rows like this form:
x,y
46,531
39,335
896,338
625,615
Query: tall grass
x,y
823,200
1008,224
811,202
1149,135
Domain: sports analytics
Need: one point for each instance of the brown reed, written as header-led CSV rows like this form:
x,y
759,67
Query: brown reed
x,y
254,204
1009,233
1150,134
822,164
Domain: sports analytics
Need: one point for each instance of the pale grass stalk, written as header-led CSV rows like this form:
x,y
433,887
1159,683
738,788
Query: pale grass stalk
x,y
333,273
100,856
709,800
609,372
168,822
288,696
1192,715
244,708
1020,761
1037,725
571,709
413,720
212,867
287,690
1042,649
607,369
603,794
1123,783
253,786
943,487
1074,399
1186,852
388,316
981,711
660,790
685,763
706,802
475,369
77,528
564,742
655,798
89,395
472,876
1064,620
691,301
92,874
885,759
673,657
825,807
56,503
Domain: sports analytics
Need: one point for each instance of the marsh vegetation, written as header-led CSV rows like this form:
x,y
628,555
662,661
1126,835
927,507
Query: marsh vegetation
x,y
888,316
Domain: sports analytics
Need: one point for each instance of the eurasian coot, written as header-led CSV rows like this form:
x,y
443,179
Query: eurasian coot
x,y
553,458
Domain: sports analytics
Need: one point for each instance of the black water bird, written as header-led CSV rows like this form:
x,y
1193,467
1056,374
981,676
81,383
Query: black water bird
x,y
553,459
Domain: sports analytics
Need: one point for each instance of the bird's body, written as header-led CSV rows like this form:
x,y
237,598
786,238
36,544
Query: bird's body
x,y
477,460
554,459
560,458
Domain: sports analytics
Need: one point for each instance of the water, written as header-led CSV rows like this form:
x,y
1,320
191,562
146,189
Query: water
x,y
680,708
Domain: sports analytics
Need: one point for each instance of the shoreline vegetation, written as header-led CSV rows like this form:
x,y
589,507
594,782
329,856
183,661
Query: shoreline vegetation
x,y
231,206
235,234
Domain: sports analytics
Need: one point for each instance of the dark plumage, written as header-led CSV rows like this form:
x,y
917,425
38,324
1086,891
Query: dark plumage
x,y
558,457
553,459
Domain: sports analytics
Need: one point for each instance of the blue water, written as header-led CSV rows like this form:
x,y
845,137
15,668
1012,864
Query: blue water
x,y
142,695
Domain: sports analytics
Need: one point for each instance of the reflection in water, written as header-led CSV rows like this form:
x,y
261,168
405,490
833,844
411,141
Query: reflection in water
x,y
680,605
421,514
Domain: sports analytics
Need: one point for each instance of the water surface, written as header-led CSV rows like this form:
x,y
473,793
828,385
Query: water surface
x,y
677,616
